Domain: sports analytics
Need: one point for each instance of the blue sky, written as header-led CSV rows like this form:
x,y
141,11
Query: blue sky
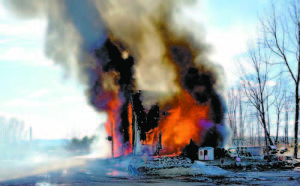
x,y
37,91
228,27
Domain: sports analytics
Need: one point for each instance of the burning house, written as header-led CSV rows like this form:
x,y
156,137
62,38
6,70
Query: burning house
x,y
178,104
120,47
147,67
195,113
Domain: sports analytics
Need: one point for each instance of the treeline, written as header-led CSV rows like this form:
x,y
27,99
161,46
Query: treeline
x,y
267,95
12,130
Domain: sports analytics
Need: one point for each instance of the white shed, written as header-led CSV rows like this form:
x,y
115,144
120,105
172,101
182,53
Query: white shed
x,y
206,153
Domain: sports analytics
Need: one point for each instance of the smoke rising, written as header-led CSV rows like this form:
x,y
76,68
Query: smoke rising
x,y
118,46
150,31
74,28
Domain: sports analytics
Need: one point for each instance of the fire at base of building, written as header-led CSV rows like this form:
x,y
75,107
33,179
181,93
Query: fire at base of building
x,y
173,132
193,118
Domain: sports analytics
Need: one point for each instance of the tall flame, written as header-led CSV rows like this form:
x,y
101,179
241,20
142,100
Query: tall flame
x,y
113,119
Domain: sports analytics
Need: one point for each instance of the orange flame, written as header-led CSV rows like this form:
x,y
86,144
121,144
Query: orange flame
x,y
112,122
128,149
186,121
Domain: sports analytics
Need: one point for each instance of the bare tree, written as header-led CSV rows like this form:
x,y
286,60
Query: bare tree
x,y
258,129
282,38
11,130
279,95
286,128
268,111
232,107
254,81
250,125
242,112
241,117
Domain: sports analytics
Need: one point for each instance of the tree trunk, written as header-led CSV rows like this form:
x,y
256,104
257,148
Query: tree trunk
x,y
278,117
296,119
269,138
287,127
258,131
285,137
265,126
265,131
266,140
269,129
297,98
235,125
241,117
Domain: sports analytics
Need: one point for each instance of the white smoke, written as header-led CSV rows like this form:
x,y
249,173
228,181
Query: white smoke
x,y
74,27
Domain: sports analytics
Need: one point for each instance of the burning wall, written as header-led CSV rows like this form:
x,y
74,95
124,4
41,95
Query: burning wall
x,y
122,46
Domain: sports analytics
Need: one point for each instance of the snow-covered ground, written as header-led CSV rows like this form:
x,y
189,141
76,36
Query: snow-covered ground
x,y
87,170
44,166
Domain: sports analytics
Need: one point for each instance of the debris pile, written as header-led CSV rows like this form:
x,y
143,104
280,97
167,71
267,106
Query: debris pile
x,y
169,161
174,165
148,167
